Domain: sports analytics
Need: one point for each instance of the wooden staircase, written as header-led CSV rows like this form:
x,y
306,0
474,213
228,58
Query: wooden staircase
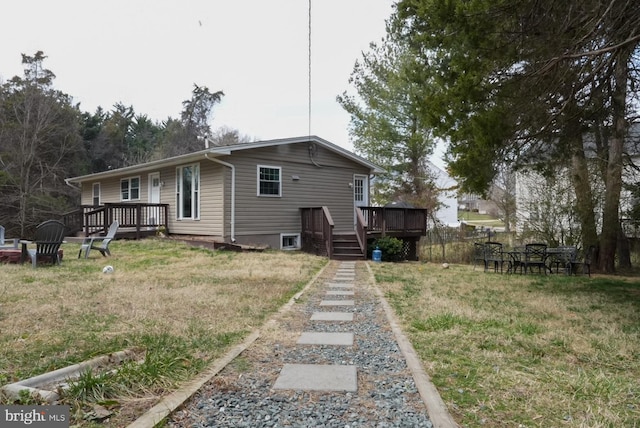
x,y
346,247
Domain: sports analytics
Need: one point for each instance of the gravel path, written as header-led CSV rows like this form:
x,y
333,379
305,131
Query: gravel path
x,y
241,395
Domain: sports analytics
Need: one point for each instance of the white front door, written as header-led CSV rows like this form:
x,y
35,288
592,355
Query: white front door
x,y
154,198
360,192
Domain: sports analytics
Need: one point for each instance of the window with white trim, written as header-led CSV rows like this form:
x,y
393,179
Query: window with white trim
x,y
130,189
269,180
289,241
188,192
96,194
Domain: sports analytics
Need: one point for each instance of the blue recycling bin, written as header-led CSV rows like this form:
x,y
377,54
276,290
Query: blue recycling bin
x,y
377,255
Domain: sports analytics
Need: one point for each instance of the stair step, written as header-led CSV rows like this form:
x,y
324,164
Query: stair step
x,y
346,247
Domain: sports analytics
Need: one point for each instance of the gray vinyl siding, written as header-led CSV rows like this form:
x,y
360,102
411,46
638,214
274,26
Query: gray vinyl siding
x,y
326,184
324,180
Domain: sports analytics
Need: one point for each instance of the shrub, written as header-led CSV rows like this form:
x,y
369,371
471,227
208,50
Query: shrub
x,y
392,248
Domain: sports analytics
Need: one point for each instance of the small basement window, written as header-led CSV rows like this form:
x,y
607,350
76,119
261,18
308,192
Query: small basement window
x,y
289,241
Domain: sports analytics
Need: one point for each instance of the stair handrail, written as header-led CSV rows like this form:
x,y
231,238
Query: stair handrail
x,y
317,230
361,230
327,230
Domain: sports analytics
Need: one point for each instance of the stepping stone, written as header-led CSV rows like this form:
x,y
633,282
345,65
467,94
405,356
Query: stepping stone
x,y
321,338
337,303
340,293
317,377
345,275
332,316
339,285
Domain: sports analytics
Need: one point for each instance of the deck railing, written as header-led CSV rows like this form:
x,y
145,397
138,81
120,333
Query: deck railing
x,y
136,217
395,221
317,231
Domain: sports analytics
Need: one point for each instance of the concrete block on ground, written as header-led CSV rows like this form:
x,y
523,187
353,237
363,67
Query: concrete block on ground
x,y
340,293
332,316
317,377
337,303
322,338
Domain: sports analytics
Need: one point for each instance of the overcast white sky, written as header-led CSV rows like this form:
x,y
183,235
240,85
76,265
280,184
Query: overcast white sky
x,y
148,54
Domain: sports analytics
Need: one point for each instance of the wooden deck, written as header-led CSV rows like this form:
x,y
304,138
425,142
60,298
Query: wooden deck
x,y
136,220
318,236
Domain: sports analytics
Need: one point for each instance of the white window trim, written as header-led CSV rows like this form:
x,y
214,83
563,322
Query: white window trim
x,y
197,199
128,180
279,168
296,236
93,193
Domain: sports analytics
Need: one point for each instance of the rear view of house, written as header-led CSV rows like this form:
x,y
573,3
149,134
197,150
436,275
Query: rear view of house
x,y
246,193
265,193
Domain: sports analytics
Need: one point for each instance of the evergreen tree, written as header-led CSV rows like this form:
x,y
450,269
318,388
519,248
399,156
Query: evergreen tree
x,y
387,126
40,145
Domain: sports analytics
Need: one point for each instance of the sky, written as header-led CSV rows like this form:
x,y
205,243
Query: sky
x,y
149,53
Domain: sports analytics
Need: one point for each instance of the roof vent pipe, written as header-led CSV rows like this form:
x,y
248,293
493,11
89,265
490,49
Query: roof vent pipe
x,y
206,141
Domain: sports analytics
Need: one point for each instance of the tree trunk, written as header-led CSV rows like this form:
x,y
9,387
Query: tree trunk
x,y
613,178
624,250
584,196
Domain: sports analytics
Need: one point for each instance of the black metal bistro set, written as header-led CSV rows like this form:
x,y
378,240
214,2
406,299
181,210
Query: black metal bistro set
x,y
532,258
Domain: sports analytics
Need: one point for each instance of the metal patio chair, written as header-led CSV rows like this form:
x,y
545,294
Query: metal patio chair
x,y
478,255
535,255
494,256
584,265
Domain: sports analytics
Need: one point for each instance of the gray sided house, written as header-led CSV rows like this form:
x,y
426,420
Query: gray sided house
x,y
252,193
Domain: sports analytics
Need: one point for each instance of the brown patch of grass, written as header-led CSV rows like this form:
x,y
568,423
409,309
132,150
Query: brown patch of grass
x,y
512,350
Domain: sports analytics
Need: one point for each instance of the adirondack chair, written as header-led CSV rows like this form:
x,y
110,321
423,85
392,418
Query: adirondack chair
x,y
6,244
99,243
49,236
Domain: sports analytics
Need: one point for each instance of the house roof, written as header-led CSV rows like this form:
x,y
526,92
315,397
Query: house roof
x,y
217,151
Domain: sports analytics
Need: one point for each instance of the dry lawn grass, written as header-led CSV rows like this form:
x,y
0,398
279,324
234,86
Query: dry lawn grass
x,y
523,351
162,295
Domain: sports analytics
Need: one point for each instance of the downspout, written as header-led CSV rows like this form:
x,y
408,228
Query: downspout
x,y
233,193
68,183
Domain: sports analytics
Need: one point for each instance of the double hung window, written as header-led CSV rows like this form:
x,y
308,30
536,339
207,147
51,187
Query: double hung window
x,y
269,180
130,189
